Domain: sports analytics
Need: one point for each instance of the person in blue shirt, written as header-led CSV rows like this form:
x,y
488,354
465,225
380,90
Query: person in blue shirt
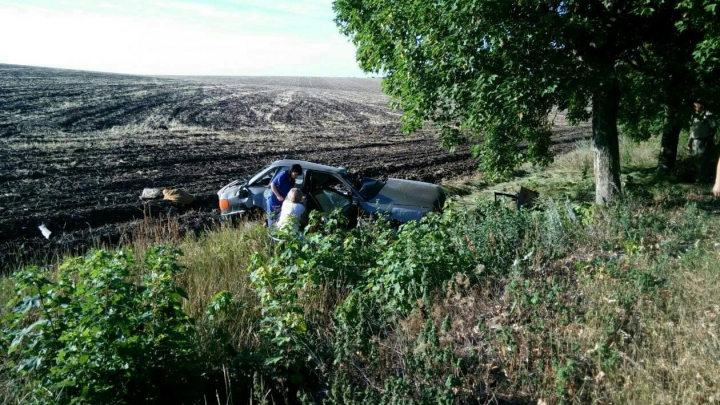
x,y
280,185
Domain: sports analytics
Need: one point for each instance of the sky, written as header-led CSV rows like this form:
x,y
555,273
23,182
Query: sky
x,y
172,37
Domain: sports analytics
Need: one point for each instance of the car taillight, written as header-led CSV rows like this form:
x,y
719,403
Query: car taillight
x,y
224,205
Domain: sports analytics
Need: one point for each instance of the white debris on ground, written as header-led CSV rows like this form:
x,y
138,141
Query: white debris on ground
x,y
151,193
45,232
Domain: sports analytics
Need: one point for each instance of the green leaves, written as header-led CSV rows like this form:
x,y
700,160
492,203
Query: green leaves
x,y
465,67
95,336
219,305
423,256
487,73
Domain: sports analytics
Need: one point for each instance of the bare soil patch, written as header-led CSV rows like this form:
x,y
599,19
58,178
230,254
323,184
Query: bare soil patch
x,y
77,148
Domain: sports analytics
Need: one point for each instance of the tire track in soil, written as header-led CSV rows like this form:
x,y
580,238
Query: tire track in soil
x,y
77,148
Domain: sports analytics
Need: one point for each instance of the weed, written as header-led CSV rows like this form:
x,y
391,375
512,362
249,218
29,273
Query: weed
x,y
95,336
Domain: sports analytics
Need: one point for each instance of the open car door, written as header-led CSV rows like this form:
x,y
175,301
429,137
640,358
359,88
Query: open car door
x,y
327,193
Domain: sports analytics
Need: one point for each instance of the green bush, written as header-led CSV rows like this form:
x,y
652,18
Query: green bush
x,y
425,255
494,234
95,336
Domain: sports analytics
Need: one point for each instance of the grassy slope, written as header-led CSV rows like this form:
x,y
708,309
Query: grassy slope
x,y
668,278
622,308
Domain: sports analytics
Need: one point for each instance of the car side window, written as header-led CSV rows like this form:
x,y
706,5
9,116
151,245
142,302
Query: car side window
x,y
267,177
331,200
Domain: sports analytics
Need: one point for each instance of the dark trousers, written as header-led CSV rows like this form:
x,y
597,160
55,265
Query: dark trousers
x,y
273,212
703,149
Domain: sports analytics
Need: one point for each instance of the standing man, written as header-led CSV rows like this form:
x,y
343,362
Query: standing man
x,y
280,185
702,132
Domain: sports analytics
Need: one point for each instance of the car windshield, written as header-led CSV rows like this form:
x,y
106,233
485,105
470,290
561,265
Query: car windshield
x,y
270,173
265,178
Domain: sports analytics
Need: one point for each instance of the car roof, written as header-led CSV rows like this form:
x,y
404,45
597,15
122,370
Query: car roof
x,y
310,166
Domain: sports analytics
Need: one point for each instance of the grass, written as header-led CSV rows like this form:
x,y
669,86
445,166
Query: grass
x,y
569,176
216,261
614,304
669,357
666,353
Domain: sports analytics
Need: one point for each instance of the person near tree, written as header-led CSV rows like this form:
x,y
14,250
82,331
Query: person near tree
x,y
701,142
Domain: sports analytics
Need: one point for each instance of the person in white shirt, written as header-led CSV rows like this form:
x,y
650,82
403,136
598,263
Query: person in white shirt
x,y
292,209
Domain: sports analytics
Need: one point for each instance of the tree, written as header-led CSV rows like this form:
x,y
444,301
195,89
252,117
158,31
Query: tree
x,y
662,86
490,71
665,81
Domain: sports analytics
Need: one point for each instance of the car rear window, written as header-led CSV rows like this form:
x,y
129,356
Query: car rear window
x,y
371,187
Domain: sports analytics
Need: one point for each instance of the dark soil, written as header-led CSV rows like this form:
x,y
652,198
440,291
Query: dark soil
x,y
77,148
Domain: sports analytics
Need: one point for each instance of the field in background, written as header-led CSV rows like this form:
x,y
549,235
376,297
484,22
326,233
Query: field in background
x,y
77,148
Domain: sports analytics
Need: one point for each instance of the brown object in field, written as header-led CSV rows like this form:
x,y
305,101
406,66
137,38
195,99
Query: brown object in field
x,y
178,195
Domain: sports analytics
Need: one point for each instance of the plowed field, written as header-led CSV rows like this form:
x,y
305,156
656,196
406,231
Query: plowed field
x,y
77,148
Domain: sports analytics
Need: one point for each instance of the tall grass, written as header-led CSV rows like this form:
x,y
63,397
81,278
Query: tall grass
x,y
632,155
216,261
671,353
219,261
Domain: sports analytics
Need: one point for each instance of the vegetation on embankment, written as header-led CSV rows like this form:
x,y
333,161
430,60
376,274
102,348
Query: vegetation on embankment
x,y
567,303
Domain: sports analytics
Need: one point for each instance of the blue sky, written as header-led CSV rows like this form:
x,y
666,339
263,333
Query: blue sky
x,y
218,37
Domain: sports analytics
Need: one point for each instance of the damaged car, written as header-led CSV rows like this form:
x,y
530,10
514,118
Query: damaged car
x,y
328,188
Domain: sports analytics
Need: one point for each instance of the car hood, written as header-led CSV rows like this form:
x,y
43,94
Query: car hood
x,y
230,188
409,192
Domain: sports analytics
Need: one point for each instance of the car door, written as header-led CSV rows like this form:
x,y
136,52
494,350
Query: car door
x,y
259,185
326,192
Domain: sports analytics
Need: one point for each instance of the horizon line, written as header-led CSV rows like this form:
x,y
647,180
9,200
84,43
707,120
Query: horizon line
x,y
176,75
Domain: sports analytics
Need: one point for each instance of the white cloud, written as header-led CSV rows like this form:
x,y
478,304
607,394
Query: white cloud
x,y
128,38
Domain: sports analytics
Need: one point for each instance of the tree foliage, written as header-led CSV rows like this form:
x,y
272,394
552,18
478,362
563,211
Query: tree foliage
x,y
667,76
489,72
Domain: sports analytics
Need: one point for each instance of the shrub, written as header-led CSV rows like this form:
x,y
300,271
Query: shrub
x,y
425,255
493,233
95,336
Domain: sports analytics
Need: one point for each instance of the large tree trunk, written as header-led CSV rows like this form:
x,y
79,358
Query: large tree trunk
x,y
605,140
670,138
